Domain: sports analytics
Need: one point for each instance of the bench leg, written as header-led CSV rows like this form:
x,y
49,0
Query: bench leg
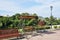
x,y
17,37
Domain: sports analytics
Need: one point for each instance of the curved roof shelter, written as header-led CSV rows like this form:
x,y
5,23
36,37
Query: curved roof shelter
x,y
28,17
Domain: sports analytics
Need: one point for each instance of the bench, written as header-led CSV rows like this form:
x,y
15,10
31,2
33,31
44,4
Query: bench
x,y
9,33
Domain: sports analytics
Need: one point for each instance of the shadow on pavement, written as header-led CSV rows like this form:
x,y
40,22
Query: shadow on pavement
x,y
46,32
16,39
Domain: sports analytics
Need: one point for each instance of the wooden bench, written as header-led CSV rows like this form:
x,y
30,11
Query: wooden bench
x,y
9,33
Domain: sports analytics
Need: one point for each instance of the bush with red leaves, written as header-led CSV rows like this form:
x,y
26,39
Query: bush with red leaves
x,y
41,23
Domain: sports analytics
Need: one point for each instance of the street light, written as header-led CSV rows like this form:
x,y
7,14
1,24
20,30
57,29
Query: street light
x,y
51,8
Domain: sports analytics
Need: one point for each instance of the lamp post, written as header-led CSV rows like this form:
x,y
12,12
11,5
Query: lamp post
x,y
51,8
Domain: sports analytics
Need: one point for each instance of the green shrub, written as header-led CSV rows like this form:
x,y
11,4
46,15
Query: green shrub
x,y
55,27
39,28
42,28
59,26
47,27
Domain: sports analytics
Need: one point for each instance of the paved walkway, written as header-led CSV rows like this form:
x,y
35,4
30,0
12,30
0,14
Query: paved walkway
x,y
55,35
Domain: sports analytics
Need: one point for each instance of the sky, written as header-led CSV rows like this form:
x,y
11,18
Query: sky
x,y
40,7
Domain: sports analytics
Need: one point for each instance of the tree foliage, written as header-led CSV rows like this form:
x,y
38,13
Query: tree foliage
x,y
15,22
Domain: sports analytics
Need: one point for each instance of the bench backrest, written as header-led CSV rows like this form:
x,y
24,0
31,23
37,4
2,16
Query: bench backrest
x,y
9,31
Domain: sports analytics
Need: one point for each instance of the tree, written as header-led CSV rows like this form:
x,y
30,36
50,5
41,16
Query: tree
x,y
58,21
53,20
34,14
47,21
25,14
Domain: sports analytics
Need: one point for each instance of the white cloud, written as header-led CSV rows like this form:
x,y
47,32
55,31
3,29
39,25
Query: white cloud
x,y
46,1
44,10
12,7
9,7
40,10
